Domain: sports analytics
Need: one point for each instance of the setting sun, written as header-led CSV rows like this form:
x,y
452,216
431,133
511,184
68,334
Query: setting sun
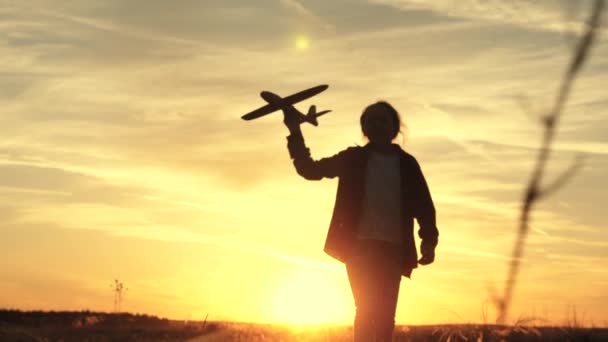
x,y
310,298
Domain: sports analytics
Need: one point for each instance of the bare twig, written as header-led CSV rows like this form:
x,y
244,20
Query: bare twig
x,y
534,191
525,103
563,178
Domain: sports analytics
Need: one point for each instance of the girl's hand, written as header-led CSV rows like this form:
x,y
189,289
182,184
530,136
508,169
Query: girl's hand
x,y
291,120
428,253
426,259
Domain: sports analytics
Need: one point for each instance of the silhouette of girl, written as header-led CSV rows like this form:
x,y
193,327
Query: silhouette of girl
x,y
381,189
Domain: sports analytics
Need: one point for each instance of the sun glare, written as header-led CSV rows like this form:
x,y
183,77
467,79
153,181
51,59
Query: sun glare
x,y
302,42
311,298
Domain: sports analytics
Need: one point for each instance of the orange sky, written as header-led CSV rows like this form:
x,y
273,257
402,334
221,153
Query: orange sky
x,y
123,155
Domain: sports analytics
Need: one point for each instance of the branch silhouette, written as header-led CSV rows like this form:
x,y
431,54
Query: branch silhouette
x,y
535,191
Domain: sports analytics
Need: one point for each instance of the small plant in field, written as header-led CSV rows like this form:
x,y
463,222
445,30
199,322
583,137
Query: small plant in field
x,y
119,290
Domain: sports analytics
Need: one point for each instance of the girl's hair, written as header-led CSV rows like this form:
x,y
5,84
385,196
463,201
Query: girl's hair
x,y
399,125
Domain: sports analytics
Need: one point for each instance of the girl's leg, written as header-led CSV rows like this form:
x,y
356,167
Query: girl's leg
x,y
374,276
358,277
389,279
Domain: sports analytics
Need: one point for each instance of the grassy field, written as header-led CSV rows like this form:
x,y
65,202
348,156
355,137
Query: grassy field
x,y
93,326
461,332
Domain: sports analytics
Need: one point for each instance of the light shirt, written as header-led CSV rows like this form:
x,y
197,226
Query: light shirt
x,y
381,210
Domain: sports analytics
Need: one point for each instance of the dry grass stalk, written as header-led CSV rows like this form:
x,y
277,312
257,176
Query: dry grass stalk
x,y
534,191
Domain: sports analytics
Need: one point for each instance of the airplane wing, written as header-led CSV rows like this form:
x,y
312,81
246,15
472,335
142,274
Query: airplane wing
x,y
304,94
264,110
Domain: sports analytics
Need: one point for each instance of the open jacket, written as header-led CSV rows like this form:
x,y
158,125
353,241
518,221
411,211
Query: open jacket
x,y
349,166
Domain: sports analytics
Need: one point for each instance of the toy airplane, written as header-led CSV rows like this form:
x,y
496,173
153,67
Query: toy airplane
x,y
275,102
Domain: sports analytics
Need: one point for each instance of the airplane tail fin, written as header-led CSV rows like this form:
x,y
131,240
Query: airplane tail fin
x,y
312,110
312,115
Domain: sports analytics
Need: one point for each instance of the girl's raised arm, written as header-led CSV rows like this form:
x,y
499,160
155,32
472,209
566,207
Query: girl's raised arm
x,y
308,168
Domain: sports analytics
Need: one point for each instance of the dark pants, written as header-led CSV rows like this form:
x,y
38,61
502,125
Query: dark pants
x,y
374,274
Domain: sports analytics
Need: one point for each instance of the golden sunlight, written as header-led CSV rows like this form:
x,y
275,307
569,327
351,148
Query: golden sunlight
x,y
311,298
302,42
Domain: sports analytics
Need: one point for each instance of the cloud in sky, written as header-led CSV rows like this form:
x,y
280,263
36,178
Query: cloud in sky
x,y
121,122
552,15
